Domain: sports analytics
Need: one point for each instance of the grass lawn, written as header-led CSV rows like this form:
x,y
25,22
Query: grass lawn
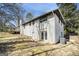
x,y
5,35
24,46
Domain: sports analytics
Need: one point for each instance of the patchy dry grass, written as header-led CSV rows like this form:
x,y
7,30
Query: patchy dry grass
x,y
5,34
36,49
69,49
24,46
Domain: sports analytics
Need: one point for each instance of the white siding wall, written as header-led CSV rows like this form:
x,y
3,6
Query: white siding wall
x,y
54,29
51,29
36,30
58,29
32,30
27,30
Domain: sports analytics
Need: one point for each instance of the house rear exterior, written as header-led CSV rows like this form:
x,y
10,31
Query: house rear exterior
x,y
48,27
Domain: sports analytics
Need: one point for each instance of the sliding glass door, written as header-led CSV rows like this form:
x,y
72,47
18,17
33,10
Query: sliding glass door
x,y
43,35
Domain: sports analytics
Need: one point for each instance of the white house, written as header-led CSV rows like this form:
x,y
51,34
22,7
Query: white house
x,y
48,27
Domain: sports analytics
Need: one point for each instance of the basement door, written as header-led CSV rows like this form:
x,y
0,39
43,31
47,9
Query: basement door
x,y
43,35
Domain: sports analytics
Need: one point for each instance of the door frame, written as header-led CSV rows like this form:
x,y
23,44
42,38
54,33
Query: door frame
x,y
43,35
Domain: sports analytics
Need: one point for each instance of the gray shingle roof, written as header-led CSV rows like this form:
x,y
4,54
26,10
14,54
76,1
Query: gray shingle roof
x,y
55,11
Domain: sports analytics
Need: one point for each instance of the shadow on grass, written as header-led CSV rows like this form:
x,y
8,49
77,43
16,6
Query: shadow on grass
x,y
9,46
46,52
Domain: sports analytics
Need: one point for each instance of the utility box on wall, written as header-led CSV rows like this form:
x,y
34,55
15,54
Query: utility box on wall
x,y
62,40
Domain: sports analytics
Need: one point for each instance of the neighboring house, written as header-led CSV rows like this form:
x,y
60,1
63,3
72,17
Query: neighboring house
x,y
48,27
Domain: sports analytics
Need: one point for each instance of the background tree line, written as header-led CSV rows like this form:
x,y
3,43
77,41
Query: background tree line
x,y
11,14
71,17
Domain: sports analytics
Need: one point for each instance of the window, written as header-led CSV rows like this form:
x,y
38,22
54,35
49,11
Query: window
x,y
42,35
59,21
24,26
43,25
43,19
30,23
33,22
45,35
61,34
